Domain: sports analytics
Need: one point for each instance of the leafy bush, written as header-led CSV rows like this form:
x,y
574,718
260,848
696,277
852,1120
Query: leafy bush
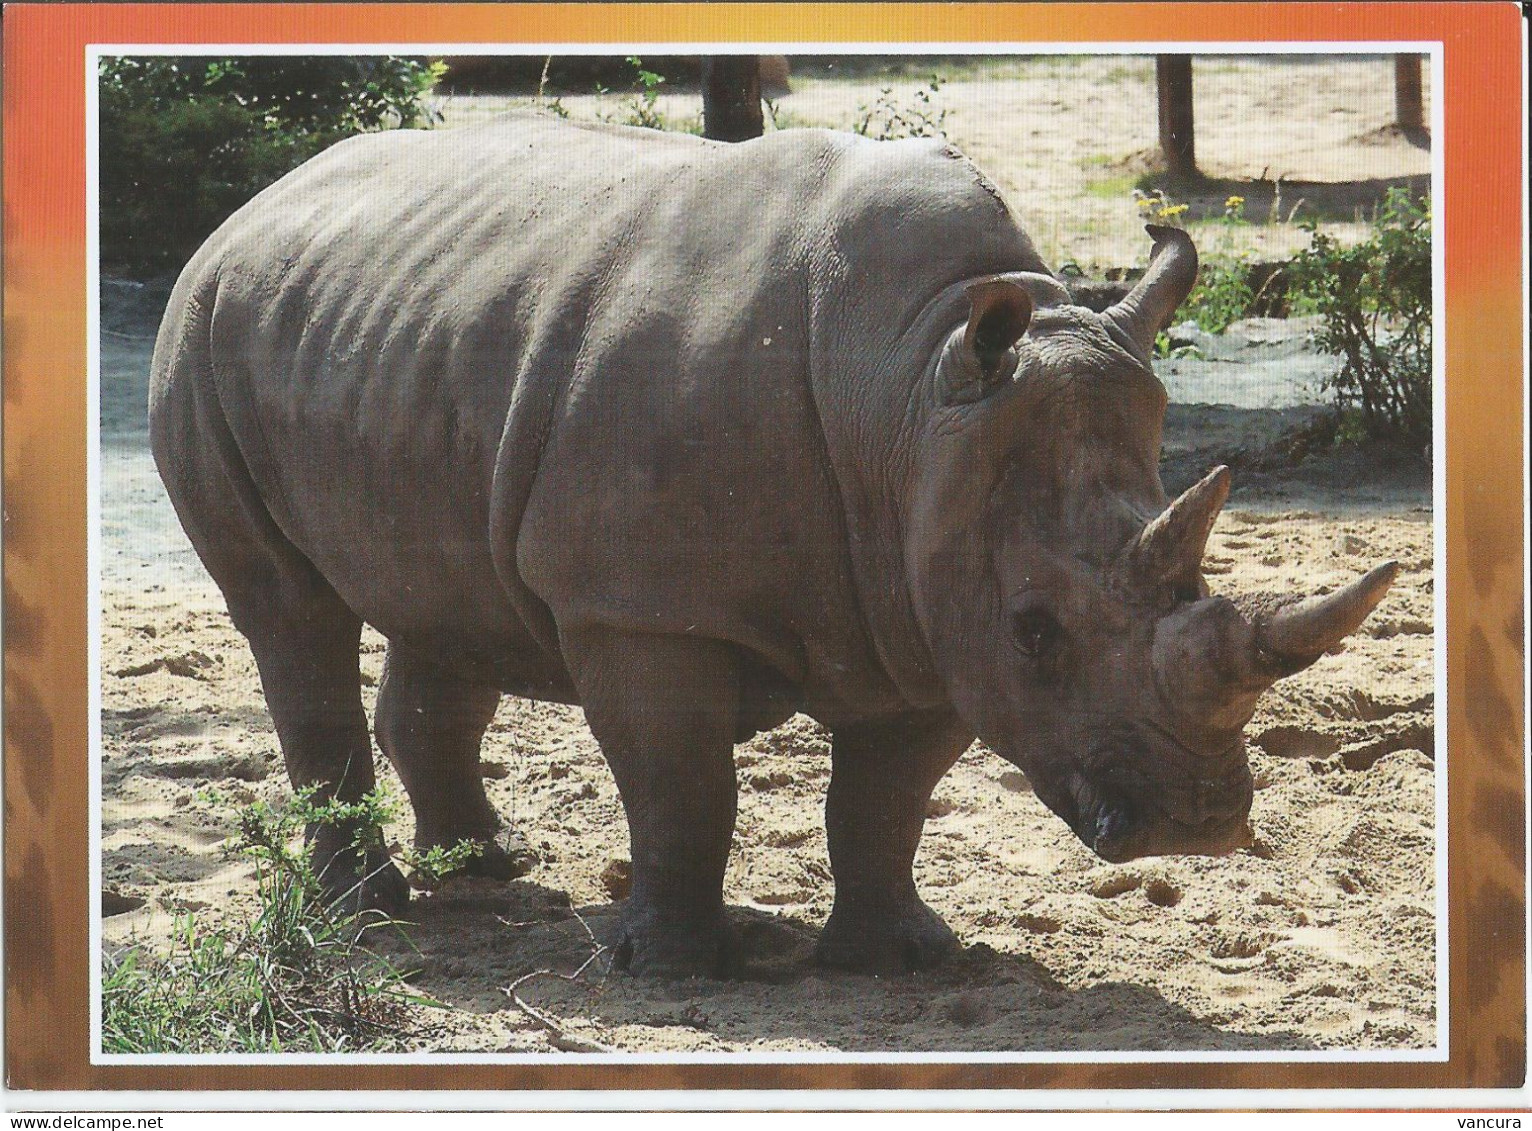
x,y
297,978
642,107
1375,302
186,141
888,118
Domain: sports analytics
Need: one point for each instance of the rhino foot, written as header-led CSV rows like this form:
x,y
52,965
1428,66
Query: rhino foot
x,y
373,883
507,856
651,947
504,855
894,940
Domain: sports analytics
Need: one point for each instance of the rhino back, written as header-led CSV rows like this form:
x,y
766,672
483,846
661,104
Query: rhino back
x,y
494,379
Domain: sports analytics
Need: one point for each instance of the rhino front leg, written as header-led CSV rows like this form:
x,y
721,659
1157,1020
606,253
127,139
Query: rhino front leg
x,y
431,723
663,709
881,781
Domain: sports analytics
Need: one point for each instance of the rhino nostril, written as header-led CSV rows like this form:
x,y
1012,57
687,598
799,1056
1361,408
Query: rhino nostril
x,y
1112,822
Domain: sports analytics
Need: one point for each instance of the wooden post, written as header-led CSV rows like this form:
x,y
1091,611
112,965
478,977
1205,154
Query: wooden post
x,y
1173,78
731,97
1409,110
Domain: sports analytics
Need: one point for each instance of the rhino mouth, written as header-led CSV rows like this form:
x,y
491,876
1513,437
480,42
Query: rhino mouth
x,y
1122,813
1118,831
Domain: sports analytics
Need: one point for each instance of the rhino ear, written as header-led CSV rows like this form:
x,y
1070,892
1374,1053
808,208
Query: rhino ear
x,y
999,312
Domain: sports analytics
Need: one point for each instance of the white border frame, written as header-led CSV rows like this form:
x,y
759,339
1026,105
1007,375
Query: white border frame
x,y
1439,1053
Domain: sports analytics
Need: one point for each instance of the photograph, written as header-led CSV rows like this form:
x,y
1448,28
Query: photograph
x,y
932,571
930,551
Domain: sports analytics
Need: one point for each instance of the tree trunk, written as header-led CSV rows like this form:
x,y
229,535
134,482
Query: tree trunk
x,y
731,97
1173,77
1409,109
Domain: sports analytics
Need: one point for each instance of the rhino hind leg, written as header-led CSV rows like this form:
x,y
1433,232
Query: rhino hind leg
x,y
430,724
304,637
664,710
309,670
305,641
880,784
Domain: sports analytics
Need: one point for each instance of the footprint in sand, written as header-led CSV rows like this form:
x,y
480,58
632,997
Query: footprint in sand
x,y
1297,742
1116,884
1038,924
116,903
1162,893
1157,890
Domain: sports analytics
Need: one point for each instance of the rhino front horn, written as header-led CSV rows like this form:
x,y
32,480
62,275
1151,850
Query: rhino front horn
x,y
1147,308
1298,634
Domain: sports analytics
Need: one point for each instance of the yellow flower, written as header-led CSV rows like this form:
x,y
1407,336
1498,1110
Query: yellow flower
x,y
1170,211
1234,202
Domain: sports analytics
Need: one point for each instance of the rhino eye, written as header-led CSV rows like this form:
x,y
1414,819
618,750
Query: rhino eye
x,y
1035,632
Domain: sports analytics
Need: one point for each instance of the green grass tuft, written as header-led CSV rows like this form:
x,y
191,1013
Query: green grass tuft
x,y
298,978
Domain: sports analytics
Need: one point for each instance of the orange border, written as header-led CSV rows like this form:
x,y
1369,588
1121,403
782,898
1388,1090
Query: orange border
x,y
46,886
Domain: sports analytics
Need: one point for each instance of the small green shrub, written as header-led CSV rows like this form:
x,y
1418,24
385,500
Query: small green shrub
x,y
1222,295
888,118
429,868
642,107
296,978
644,110
186,140
1374,299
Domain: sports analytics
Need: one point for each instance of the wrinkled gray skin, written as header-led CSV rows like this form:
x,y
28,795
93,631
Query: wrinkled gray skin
x,y
696,436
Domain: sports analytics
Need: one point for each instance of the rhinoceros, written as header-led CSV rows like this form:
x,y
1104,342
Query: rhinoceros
x,y
697,436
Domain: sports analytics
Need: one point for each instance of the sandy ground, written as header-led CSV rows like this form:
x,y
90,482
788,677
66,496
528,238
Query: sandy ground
x,y
1322,936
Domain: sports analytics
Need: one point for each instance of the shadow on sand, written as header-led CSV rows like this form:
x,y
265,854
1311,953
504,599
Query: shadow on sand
x,y
475,939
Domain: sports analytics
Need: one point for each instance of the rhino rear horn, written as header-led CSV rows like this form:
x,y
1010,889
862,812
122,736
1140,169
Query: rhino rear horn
x,y
999,313
1147,308
1170,548
1298,634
